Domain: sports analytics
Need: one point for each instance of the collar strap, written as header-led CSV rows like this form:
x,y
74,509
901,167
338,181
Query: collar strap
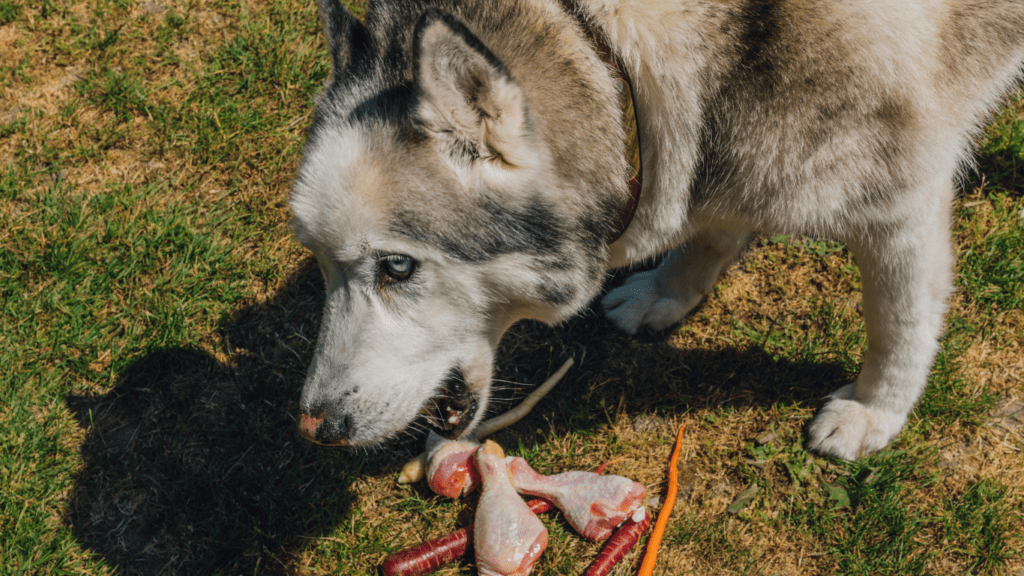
x,y
627,101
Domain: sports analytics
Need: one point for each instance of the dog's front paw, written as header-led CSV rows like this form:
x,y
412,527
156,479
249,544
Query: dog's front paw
x,y
639,304
849,429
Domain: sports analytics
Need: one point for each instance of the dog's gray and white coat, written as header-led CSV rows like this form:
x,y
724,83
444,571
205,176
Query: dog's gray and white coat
x,y
466,163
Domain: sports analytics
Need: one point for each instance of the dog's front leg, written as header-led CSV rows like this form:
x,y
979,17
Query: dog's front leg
x,y
907,277
663,297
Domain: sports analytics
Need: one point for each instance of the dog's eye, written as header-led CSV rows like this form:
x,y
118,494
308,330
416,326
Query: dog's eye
x,y
398,267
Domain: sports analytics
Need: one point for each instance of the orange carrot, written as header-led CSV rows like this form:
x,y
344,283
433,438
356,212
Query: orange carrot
x,y
647,566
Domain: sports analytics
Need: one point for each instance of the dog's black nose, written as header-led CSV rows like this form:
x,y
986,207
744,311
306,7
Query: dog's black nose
x,y
323,429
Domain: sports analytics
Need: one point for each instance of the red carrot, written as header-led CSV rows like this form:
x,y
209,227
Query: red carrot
x,y
539,506
620,543
429,556
600,469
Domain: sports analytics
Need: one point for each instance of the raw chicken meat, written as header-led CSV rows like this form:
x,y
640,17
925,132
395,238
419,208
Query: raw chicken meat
x,y
507,537
594,504
450,468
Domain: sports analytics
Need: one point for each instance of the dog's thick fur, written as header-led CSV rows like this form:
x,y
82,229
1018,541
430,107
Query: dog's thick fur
x,y
466,163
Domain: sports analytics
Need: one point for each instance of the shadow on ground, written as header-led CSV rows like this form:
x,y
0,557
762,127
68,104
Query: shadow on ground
x,y
192,464
1002,167
617,375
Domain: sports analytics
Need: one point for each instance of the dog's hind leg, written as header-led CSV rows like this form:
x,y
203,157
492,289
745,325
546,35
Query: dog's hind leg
x,y
907,276
663,297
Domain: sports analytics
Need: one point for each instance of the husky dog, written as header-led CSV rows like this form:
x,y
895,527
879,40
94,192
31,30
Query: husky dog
x,y
465,167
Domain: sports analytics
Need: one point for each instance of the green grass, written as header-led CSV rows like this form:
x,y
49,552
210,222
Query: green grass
x,y
993,271
9,11
157,321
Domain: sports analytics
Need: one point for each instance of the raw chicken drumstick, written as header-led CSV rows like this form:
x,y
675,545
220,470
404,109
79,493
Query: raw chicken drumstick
x,y
450,469
594,504
507,537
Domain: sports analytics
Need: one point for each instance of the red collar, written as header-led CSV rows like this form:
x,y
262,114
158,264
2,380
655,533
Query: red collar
x,y
627,101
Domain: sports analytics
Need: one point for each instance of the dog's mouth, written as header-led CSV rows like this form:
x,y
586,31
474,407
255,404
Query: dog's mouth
x,y
451,411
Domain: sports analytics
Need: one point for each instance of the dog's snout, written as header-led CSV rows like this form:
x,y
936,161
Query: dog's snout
x,y
322,428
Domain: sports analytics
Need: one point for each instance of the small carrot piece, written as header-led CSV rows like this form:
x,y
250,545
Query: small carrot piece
x,y
651,556
600,469
429,556
621,542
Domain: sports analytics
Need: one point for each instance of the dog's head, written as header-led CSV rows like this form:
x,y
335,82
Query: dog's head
x,y
434,199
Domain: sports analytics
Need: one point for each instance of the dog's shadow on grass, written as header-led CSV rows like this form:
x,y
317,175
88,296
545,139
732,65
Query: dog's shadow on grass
x,y
192,464
634,376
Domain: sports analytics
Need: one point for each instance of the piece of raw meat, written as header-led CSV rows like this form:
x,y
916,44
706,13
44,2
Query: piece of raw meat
x,y
507,537
594,504
450,468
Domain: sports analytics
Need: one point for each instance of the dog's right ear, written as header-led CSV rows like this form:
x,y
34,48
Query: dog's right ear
x,y
346,36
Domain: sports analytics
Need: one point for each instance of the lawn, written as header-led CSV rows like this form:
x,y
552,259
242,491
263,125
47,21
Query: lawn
x,y
157,320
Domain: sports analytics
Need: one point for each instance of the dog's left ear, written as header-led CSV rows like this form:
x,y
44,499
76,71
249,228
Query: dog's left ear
x,y
469,94
347,38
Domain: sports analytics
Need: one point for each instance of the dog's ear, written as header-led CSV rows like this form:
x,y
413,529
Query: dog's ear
x,y
469,94
347,38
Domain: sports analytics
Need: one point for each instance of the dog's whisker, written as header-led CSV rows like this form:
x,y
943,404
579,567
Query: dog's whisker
x,y
500,402
416,427
509,382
